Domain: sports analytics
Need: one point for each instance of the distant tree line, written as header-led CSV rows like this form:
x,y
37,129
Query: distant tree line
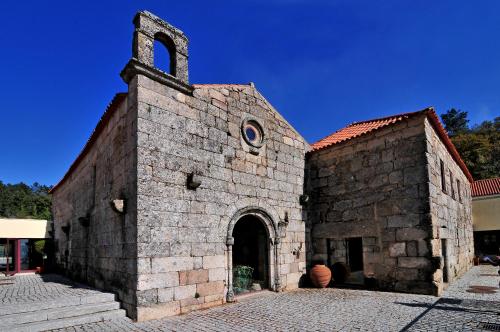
x,y
23,201
478,145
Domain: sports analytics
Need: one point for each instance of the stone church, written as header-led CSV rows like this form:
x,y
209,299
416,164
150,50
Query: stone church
x,y
181,183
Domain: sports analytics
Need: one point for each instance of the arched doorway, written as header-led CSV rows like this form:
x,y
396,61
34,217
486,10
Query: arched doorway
x,y
252,233
250,251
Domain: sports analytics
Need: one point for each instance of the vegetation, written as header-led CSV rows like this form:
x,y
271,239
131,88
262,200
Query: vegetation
x,y
23,201
478,145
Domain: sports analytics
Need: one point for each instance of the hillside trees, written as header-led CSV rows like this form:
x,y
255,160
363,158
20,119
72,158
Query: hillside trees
x,y
23,201
478,145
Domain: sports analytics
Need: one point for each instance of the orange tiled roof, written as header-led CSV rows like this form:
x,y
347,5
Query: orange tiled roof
x,y
486,187
357,129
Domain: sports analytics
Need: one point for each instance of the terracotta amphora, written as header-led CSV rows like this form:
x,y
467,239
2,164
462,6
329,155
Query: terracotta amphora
x,y
321,276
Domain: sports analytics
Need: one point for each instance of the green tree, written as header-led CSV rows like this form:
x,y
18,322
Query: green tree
x,y
23,201
455,122
478,146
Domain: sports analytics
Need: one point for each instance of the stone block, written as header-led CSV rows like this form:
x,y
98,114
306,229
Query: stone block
x,y
169,264
158,311
397,249
165,295
403,220
158,280
210,288
411,248
211,262
147,297
410,234
193,277
217,274
414,262
184,292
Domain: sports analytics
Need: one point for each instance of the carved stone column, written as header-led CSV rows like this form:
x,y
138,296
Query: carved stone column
x,y
230,291
277,279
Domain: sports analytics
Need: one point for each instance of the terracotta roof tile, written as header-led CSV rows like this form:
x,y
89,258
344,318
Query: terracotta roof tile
x,y
486,187
357,129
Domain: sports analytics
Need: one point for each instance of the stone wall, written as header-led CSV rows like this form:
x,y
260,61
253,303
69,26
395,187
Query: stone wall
x,y
100,247
450,210
182,233
375,187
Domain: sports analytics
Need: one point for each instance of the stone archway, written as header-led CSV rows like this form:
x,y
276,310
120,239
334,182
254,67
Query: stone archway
x,y
242,221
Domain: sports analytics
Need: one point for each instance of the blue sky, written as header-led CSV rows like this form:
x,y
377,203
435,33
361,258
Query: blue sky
x,y
322,64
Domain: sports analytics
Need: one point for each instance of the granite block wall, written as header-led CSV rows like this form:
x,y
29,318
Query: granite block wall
x,y
375,187
183,257
99,245
451,210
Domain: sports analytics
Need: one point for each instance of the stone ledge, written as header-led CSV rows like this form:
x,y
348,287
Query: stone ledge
x,y
134,67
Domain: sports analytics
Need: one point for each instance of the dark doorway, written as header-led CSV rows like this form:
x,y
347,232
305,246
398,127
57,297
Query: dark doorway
x,y
355,253
444,254
251,249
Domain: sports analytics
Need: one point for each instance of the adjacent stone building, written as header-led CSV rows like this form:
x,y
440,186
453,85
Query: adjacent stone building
x,y
179,184
174,179
391,198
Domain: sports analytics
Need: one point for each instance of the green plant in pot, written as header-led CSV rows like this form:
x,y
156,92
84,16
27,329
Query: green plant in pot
x,y
242,278
43,248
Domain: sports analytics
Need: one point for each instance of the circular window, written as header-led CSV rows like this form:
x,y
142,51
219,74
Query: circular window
x,y
253,133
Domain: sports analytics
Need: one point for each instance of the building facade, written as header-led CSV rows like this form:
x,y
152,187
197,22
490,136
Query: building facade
x,y
486,216
391,199
24,245
200,178
181,186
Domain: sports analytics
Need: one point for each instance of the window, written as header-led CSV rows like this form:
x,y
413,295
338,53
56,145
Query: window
x,y
459,191
451,186
253,133
443,177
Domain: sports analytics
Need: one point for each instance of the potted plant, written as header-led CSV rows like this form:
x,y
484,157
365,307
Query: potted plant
x,y
41,247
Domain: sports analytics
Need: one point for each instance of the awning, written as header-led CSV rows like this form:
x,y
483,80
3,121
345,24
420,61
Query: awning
x,y
24,228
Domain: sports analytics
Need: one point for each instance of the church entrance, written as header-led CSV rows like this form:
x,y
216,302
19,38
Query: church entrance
x,y
250,255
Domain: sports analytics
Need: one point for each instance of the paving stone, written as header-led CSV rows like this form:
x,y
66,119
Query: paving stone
x,y
339,310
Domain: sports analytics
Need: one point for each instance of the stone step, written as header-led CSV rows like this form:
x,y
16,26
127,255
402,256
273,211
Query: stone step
x,y
8,309
56,313
68,322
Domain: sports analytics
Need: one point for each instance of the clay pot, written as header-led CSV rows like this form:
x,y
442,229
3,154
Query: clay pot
x,y
321,276
340,272
476,260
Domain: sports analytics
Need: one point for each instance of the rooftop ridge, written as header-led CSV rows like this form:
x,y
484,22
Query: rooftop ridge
x,y
408,114
112,106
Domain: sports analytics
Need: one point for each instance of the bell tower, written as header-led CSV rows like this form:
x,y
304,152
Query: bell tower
x,y
148,29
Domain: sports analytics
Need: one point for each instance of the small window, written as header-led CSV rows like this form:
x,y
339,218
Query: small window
x,y
253,133
451,186
443,177
459,191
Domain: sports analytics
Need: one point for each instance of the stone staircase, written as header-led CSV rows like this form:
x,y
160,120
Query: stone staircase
x,y
60,312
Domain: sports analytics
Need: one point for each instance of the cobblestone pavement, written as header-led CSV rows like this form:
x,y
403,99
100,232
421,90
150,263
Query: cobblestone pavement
x,y
33,287
469,304
462,308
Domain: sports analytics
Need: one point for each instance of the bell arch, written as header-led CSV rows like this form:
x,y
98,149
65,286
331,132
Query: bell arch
x,y
148,30
162,43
